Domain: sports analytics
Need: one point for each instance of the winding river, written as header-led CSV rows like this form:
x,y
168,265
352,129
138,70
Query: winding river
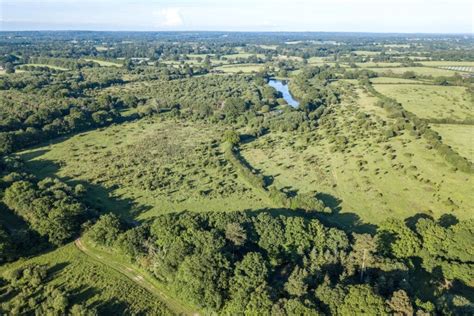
x,y
282,86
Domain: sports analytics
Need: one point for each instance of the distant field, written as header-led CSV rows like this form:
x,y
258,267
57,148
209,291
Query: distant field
x,y
242,55
148,167
241,67
428,101
460,137
104,63
424,71
378,64
48,66
365,52
369,180
448,63
393,80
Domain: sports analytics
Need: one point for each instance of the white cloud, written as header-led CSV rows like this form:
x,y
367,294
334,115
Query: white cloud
x,y
170,17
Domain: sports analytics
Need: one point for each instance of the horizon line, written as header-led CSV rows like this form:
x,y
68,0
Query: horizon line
x,y
231,31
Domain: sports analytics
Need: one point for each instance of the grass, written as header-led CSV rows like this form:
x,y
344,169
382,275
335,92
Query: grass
x,y
104,63
460,137
235,68
242,55
390,80
378,64
445,63
147,167
423,71
369,180
429,101
93,283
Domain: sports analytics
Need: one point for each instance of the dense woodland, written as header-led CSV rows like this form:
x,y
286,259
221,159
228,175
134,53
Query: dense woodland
x,y
288,259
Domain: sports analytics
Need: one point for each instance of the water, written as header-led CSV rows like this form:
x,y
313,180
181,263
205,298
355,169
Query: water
x,y
282,86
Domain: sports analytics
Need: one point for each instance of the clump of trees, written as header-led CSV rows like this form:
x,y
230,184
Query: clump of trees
x,y
279,264
50,207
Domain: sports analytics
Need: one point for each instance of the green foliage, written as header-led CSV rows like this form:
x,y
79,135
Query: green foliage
x,y
361,300
49,206
106,230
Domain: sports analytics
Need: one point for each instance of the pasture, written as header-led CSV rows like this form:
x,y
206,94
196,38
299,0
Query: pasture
x,y
105,63
419,71
460,137
369,179
431,102
236,68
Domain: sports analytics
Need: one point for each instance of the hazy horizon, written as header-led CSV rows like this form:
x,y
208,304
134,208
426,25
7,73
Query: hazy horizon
x,y
365,16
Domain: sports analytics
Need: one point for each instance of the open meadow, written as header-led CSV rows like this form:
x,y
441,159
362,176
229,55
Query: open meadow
x,y
431,102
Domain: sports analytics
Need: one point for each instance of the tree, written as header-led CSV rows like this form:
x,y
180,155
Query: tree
x,y
361,300
9,68
234,107
296,284
231,137
236,233
106,230
400,303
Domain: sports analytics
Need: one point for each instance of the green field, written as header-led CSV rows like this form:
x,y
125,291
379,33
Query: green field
x,y
431,102
245,68
371,180
104,63
421,71
445,63
148,167
380,65
460,137
389,80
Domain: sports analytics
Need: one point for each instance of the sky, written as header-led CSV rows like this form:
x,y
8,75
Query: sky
x,y
399,16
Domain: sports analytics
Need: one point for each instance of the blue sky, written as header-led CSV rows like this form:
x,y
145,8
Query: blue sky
x,y
430,16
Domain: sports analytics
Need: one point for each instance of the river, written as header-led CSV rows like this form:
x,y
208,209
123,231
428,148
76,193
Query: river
x,y
282,86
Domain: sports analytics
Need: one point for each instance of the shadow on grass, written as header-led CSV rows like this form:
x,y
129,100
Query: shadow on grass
x,y
97,197
349,222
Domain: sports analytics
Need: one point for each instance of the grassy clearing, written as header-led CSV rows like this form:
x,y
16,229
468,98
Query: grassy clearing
x,y
104,63
148,167
245,68
460,137
369,179
422,71
92,283
426,101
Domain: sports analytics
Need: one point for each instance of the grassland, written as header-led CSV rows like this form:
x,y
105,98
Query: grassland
x,y
431,102
148,167
460,137
378,64
245,68
421,71
92,283
105,63
389,80
370,180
